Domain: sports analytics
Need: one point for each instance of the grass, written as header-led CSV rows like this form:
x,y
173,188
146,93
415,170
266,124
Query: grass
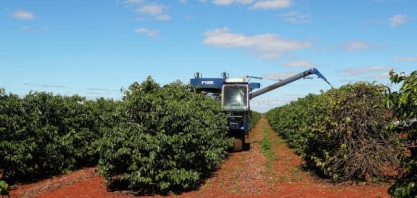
x,y
266,146
268,143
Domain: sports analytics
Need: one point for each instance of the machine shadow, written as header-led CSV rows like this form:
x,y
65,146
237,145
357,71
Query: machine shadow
x,y
246,147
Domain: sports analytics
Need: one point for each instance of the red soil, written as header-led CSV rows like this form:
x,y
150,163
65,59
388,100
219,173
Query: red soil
x,y
244,174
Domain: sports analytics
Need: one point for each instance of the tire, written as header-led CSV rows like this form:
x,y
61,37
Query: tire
x,y
238,145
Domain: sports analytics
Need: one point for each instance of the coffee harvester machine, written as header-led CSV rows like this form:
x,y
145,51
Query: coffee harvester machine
x,y
235,95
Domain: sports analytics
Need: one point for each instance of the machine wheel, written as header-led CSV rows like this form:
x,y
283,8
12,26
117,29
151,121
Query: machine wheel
x,y
238,145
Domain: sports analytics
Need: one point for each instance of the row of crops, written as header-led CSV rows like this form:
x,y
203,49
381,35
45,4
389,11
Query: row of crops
x,y
168,138
254,118
162,138
359,132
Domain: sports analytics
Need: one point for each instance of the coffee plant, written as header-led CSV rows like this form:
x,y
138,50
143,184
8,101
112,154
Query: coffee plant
x,y
169,139
254,118
156,139
403,105
340,133
4,188
42,135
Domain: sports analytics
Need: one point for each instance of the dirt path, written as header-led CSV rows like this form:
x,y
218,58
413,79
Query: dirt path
x,y
287,179
242,174
251,173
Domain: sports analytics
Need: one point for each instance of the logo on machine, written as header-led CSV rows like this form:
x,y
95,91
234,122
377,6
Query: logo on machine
x,y
207,82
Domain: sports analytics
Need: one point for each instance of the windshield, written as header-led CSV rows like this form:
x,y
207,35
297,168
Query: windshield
x,y
235,97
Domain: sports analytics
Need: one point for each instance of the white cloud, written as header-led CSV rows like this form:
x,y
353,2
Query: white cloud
x,y
355,45
254,4
299,64
154,10
381,76
263,105
366,70
228,2
266,45
406,59
45,85
23,15
148,32
271,4
398,20
296,17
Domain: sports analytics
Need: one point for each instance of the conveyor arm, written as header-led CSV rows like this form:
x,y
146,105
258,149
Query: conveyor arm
x,y
287,81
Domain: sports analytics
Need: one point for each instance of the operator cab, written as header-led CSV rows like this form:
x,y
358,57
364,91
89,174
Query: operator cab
x,y
235,97
235,100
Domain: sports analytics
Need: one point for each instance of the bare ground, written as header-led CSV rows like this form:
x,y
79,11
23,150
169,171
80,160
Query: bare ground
x,y
244,174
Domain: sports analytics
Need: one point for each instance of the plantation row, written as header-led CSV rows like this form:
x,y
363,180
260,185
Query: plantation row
x,y
43,135
159,138
340,133
255,116
169,138
350,133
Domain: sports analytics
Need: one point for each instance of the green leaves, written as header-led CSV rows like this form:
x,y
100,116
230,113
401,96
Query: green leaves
x,y
341,133
403,104
254,118
43,135
4,188
162,138
171,140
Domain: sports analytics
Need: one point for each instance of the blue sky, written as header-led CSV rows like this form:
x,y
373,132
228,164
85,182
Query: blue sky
x,y
95,47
